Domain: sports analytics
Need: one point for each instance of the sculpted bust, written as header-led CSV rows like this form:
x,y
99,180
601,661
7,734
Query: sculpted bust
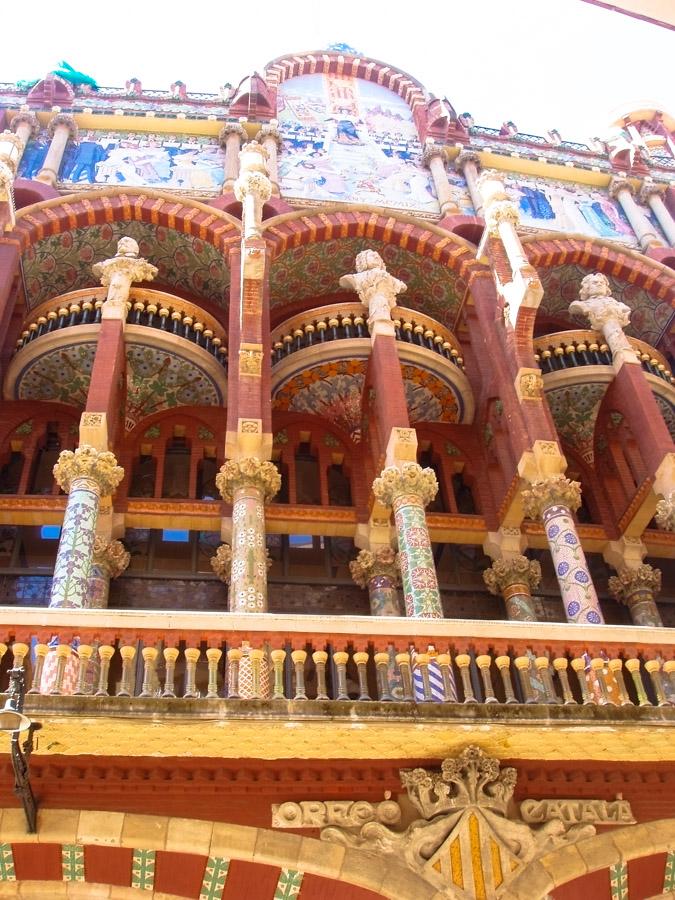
x,y
377,289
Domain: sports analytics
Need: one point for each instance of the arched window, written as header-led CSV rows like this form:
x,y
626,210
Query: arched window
x,y
207,469
466,505
307,477
427,461
10,473
143,477
176,481
339,486
42,480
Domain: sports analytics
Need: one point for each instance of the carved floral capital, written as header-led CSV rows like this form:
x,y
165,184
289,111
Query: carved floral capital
x,y
506,572
431,151
231,128
411,478
371,563
651,189
86,462
221,563
111,556
254,183
618,184
466,156
665,512
556,490
499,211
65,120
248,472
270,132
627,581
26,118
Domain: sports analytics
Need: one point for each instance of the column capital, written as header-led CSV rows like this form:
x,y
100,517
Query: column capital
x,y
617,184
431,151
466,156
410,479
11,148
65,120
650,188
270,131
26,118
598,305
627,581
371,563
221,563
503,573
253,173
111,556
377,289
248,472
555,490
125,263
86,462
231,128
665,512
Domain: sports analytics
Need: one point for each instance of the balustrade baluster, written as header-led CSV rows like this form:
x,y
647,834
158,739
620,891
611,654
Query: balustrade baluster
x,y
463,662
361,660
208,334
340,659
51,321
579,666
605,355
669,669
407,332
653,666
256,656
321,328
559,358
438,344
187,322
213,655
429,338
216,346
333,323
41,651
192,655
163,317
523,666
422,665
278,659
443,662
32,332
299,657
170,656
560,665
543,667
483,662
198,328
347,325
298,334
546,361
615,666
382,672
598,666
128,652
176,318
41,322
633,666
74,310
233,661
288,344
403,663
63,313
222,357
418,331
503,663
309,334
149,655
84,651
19,653
571,360
139,308
105,653
359,325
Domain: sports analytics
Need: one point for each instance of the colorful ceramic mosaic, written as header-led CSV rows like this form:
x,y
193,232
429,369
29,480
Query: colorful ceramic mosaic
x,y
618,881
7,872
248,579
418,571
72,862
576,586
383,595
288,885
62,262
669,873
316,269
649,316
575,409
143,870
70,584
668,413
61,375
215,875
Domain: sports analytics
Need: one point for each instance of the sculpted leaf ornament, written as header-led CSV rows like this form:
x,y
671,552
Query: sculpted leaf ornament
x,y
371,563
248,472
411,478
99,466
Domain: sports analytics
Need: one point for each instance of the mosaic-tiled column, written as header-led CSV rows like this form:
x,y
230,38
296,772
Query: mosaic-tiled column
x,y
515,579
378,570
637,589
553,499
109,560
248,484
408,490
86,475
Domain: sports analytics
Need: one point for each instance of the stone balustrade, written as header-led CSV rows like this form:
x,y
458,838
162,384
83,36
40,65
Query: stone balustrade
x,y
348,320
153,309
283,657
569,349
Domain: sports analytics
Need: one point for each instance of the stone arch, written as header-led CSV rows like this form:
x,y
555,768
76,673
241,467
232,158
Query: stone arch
x,y
576,860
209,840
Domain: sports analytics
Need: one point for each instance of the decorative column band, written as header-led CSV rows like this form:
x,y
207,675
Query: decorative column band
x,y
408,490
248,484
379,571
86,475
515,579
109,560
553,499
637,589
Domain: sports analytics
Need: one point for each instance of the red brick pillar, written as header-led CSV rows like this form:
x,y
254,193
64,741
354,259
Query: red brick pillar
x,y
9,270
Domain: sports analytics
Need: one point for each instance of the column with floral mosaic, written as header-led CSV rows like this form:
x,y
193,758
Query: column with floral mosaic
x,y
248,484
109,560
379,571
515,578
553,499
637,588
86,475
408,490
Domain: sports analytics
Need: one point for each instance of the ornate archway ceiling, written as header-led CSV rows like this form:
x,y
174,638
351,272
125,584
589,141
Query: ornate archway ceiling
x,y
316,269
62,262
333,390
650,317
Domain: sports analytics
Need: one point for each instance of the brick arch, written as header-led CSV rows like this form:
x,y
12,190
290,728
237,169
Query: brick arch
x,y
41,220
329,62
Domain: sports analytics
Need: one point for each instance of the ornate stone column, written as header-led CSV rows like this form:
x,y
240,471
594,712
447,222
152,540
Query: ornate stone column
x,y
651,194
379,571
25,126
468,165
61,129
269,137
607,315
435,159
109,560
622,190
515,578
86,475
231,137
252,188
248,484
408,489
553,499
637,589
11,148
118,273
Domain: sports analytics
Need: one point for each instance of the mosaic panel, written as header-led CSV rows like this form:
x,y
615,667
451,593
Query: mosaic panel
x,y
649,317
143,870
215,876
63,262
316,269
575,410
618,881
72,862
289,884
62,375
668,413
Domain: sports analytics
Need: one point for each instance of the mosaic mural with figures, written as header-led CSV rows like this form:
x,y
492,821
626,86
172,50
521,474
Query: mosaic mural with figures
x,y
649,317
334,391
317,268
62,262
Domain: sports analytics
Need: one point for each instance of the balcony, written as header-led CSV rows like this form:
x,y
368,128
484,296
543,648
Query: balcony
x,y
247,683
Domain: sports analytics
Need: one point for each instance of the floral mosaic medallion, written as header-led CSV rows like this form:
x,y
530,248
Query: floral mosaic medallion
x,y
316,269
649,316
63,262
575,410
158,379
62,375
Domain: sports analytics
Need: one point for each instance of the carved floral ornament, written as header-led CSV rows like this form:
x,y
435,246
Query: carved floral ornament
x,y
665,512
26,118
221,563
231,128
627,581
248,472
465,836
99,466
67,121
410,479
504,573
110,556
373,563
555,490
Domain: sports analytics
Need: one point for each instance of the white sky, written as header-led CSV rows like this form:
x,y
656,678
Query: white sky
x,y
541,63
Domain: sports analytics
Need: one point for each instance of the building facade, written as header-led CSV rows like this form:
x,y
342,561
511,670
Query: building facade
x,y
337,493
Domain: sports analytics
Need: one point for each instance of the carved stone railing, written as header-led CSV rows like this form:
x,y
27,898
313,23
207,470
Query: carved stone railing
x,y
346,658
153,309
343,321
569,349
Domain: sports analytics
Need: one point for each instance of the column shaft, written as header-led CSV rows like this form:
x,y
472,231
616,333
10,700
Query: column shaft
x,y
248,586
642,608
663,217
383,595
418,571
73,560
640,224
61,132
